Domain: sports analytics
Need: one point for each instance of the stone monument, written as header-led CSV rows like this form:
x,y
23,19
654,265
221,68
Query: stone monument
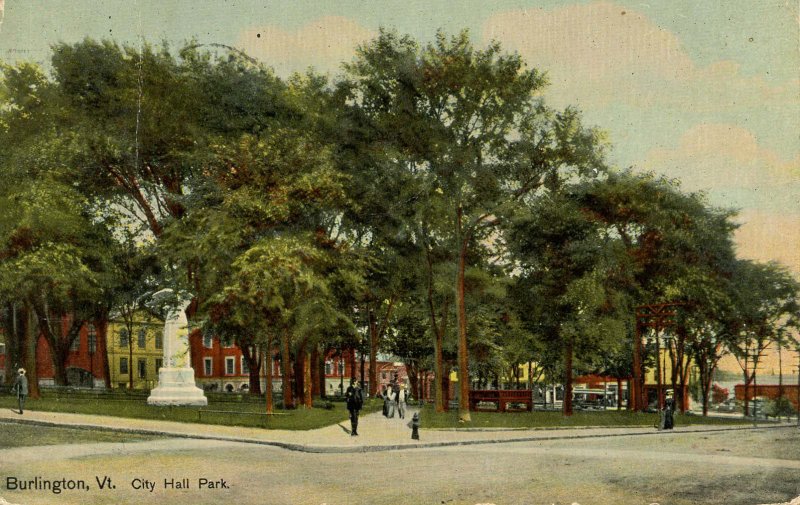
x,y
176,377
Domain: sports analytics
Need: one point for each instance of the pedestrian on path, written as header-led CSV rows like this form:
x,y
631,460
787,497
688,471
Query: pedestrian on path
x,y
384,394
21,388
355,400
392,392
402,398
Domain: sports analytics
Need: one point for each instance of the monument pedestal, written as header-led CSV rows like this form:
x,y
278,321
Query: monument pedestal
x,y
176,387
176,379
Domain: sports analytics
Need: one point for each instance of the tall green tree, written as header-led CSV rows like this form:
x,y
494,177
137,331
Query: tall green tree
x,y
468,125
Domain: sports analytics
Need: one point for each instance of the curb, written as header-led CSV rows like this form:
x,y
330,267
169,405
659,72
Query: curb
x,y
317,449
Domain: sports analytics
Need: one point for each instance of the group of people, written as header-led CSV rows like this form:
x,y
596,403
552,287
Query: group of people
x,y
395,397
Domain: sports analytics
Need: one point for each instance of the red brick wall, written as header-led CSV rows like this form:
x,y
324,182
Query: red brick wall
x,y
771,391
81,358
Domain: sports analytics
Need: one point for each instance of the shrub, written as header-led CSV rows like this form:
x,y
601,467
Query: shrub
x,y
779,407
718,393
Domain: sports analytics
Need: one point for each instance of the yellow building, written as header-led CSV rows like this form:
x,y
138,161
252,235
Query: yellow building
x,y
135,352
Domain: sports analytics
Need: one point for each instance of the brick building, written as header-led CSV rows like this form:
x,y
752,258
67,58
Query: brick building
x,y
86,363
223,367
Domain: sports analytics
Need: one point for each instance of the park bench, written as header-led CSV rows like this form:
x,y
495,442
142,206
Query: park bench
x,y
501,397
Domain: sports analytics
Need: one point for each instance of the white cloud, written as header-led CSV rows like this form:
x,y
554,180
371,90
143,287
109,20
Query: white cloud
x,y
601,53
728,162
768,236
323,44
723,156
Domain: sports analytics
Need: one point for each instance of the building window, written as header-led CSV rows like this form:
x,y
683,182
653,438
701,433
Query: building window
x,y
142,368
123,337
92,339
2,348
159,341
329,368
75,344
208,367
142,338
245,367
341,368
208,341
123,365
159,364
230,365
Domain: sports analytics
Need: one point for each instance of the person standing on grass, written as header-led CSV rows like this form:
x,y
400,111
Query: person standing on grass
x,y
355,400
21,388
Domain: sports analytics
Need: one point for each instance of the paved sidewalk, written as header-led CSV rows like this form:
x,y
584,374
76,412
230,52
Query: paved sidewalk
x,y
377,433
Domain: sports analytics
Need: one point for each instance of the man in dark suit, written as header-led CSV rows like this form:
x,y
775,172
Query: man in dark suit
x,y
355,400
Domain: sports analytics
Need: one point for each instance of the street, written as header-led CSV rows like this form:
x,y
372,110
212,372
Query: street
x,y
750,467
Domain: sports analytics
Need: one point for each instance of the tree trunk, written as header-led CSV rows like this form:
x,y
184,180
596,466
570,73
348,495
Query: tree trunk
x,y
31,343
268,360
352,356
315,386
461,319
438,372
635,391
629,405
130,359
373,355
412,371
619,394
568,378
445,385
362,360
286,374
307,396
300,372
438,336
780,371
251,356
705,383
322,386
101,332
14,328
746,387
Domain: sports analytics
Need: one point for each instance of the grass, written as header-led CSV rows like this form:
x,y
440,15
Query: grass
x,y
19,435
239,411
554,419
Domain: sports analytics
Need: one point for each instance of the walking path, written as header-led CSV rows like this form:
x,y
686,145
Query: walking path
x,y
376,433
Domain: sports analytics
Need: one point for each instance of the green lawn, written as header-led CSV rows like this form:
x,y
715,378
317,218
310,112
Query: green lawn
x,y
231,411
554,419
20,435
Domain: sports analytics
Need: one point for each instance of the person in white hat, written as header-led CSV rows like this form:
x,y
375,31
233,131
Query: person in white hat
x,y
21,388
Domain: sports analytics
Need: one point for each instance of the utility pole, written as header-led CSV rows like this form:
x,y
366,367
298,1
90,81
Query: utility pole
x,y
657,316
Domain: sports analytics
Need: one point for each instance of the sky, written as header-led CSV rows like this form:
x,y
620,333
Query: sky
x,y
706,92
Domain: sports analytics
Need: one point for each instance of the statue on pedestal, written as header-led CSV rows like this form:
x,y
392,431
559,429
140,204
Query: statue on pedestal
x,y
176,378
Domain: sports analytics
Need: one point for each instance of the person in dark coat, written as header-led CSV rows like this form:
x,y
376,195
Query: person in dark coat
x,y
355,400
21,388
669,410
